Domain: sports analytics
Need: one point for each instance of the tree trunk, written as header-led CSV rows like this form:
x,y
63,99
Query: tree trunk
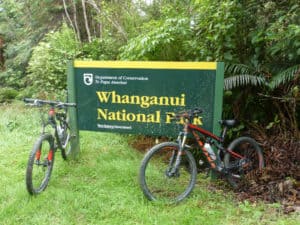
x,y
1,53
68,16
114,23
75,20
86,21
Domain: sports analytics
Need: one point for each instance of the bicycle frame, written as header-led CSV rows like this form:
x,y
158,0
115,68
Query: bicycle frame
x,y
168,171
194,130
53,116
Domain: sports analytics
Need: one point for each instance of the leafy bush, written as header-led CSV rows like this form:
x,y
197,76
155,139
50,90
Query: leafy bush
x,y
7,94
100,49
47,66
22,25
165,41
217,30
207,31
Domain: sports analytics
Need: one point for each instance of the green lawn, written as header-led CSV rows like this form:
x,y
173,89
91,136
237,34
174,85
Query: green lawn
x,y
101,187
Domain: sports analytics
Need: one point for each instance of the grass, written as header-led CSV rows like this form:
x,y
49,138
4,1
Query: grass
x,y
101,187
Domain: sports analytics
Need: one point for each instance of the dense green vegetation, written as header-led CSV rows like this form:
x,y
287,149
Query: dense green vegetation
x,y
101,187
258,41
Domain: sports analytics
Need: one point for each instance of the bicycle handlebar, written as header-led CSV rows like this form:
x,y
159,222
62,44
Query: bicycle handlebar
x,y
187,114
40,102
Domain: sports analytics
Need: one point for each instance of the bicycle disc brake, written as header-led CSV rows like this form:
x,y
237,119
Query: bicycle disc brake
x,y
172,172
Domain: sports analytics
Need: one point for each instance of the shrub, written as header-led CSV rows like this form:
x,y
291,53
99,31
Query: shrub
x,y
48,64
7,94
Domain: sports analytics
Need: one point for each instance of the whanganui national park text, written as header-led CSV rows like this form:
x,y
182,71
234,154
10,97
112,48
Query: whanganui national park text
x,y
143,102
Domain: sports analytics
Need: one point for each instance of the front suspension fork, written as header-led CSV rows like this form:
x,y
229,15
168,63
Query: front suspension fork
x,y
181,142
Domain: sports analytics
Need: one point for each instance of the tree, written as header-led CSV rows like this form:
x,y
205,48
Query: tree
x,y
272,66
258,40
189,30
1,53
47,66
23,24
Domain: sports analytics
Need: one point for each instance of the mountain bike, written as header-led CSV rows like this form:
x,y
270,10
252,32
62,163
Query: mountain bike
x,y
168,170
42,155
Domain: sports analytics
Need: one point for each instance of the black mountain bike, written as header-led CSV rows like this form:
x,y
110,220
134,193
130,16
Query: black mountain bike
x,y
168,171
42,155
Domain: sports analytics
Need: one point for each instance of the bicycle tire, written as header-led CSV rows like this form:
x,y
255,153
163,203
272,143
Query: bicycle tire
x,y
154,180
253,161
40,164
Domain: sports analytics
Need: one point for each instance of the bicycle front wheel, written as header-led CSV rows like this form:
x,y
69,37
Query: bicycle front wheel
x,y
40,164
158,178
241,169
66,141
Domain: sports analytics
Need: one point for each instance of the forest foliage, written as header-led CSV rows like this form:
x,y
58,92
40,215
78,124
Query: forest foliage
x,y
259,41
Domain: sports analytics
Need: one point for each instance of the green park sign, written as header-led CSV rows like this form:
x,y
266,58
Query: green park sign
x,y
137,97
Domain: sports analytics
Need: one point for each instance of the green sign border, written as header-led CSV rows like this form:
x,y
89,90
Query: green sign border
x,y
217,66
75,145
218,103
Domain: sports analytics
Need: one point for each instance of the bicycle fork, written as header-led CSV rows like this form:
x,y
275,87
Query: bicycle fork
x,y
173,169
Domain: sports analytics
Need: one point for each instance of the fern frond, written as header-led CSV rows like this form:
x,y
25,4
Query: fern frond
x,y
284,76
231,69
242,80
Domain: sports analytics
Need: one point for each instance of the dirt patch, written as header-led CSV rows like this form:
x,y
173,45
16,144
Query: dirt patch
x,y
280,180
144,143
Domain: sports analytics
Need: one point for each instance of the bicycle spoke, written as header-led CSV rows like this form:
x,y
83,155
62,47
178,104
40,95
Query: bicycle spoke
x,y
161,181
244,168
40,165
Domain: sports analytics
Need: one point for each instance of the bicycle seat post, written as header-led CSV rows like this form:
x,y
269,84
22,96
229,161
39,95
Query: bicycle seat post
x,y
226,124
224,132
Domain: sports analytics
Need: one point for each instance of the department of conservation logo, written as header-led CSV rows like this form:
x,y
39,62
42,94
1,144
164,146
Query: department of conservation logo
x,y
88,78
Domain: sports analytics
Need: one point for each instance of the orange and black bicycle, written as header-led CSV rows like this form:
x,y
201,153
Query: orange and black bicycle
x,y
57,137
168,171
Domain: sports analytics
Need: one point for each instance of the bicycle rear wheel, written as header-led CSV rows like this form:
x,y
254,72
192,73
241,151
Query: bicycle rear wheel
x,y
156,178
40,164
243,169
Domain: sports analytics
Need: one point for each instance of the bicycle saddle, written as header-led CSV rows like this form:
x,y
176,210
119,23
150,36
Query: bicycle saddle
x,y
228,123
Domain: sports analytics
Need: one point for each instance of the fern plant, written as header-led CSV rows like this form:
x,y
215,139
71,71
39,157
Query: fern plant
x,y
280,95
285,76
238,75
